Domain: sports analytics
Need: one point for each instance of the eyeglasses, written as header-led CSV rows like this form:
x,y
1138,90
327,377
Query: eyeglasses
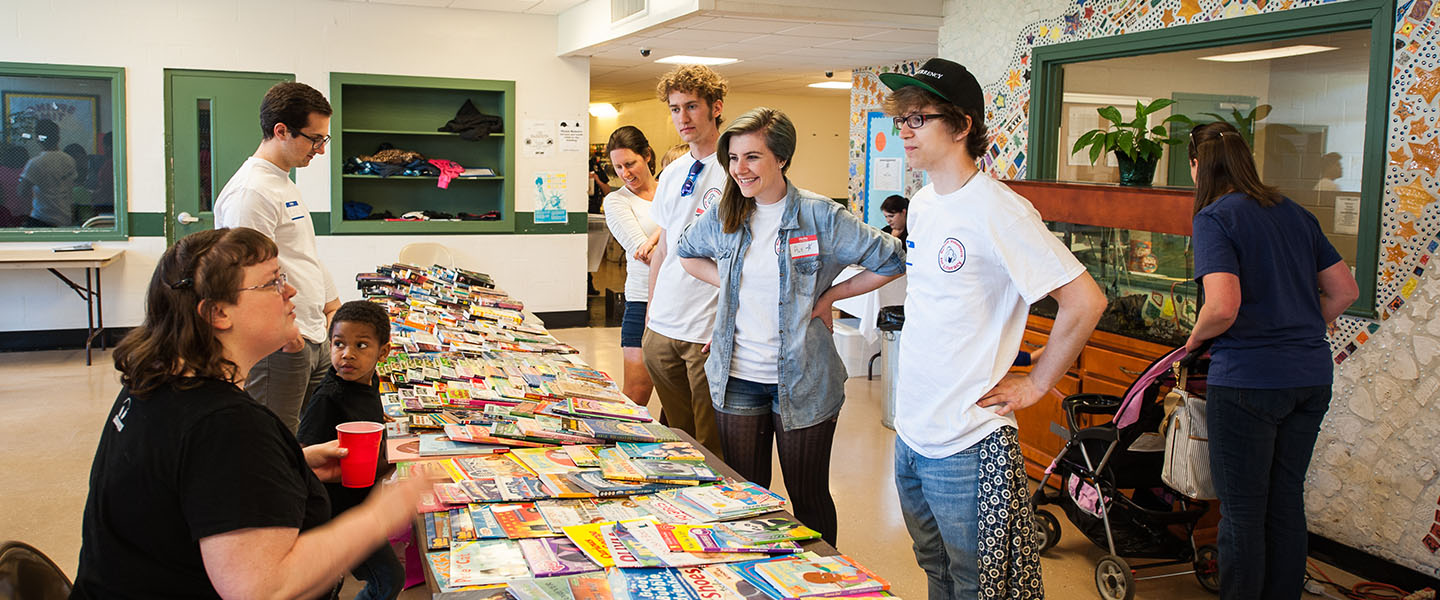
x,y
316,141
278,284
915,121
689,187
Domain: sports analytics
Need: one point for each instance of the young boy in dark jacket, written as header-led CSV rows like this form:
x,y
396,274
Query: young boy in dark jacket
x,y
359,339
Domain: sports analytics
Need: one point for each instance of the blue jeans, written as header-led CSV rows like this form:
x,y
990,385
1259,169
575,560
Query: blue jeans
x,y
1260,446
749,399
939,500
382,573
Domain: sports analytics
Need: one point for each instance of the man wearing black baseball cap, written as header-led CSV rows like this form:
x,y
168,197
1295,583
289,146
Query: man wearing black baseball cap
x,y
977,256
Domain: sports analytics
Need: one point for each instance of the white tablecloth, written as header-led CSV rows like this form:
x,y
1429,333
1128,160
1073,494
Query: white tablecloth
x,y
867,306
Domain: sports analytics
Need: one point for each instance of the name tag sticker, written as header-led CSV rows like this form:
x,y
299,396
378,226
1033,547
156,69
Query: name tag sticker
x,y
804,246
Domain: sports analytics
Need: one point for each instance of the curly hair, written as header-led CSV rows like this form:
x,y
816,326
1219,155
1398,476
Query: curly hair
x,y
910,99
195,274
695,79
364,312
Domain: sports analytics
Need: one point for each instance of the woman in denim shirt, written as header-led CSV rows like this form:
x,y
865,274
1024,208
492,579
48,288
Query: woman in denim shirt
x,y
773,369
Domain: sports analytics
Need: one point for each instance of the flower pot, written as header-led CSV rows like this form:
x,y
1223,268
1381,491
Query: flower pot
x,y
1136,172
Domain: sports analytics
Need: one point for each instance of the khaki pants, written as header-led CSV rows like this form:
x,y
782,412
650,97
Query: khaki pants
x,y
678,370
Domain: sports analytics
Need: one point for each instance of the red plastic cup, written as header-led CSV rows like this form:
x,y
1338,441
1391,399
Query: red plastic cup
x,y
362,438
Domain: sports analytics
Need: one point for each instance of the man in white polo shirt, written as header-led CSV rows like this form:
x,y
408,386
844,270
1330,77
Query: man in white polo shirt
x,y
682,308
977,256
295,120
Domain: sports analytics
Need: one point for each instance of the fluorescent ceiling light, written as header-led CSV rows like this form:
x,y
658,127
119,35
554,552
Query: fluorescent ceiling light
x,y
1113,100
1269,53
603,110
832,85
710,61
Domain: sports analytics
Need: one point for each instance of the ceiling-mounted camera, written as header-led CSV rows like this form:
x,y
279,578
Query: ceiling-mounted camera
x,y
644,52
829,73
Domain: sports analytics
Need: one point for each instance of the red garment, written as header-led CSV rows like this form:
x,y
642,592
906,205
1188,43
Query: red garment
x,y
449,170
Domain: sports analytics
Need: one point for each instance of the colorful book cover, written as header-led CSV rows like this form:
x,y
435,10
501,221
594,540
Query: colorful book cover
x,y
732,498
484,523
648,535
564,513
609,410
555,556
550,429
596,483
482,490
491,465
520,520
559,486
716,540
770,529
554,588
625,431
589,539
428,503
668,511
821,576
476,434
519,489
674,470
583,455
614,466
462,527
704,585
587,374
684,451
622,509
451,494
435,444
437,530
545,460
626,550
655,584
746,571
590,586
439,563
583,390
735,587
485,562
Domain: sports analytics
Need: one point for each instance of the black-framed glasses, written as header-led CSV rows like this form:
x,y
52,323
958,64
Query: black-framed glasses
x,y
915,121
316,141
277,283
689,187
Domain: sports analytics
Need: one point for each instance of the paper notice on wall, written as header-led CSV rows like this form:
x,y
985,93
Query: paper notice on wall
x,y
886,175
1347,215
539,137
550,188
572,135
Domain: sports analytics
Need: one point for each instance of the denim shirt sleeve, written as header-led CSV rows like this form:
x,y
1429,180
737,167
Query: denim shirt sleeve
x,y
856,243
698,240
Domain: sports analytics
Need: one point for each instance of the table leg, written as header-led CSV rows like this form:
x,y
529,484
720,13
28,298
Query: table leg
x,y
89,316
99,309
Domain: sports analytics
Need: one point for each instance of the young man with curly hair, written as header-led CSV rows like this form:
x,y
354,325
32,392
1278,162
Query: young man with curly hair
x,y
682,308
978,256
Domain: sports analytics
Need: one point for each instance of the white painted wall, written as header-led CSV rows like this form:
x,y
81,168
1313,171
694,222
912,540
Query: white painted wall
x,y
821,124
310,38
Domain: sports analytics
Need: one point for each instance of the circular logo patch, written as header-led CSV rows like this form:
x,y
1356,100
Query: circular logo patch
x,y
711,196
777,246
952,255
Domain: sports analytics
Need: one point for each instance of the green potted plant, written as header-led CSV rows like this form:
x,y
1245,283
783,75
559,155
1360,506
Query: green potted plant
x,y
1136,144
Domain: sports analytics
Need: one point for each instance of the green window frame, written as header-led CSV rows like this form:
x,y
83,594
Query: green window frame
x,y
1047,87
116,76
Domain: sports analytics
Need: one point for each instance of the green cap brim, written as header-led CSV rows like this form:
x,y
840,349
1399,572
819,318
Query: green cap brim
x,y
895,81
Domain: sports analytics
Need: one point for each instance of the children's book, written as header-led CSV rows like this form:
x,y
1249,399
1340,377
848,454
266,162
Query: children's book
x,y
545,460
673,470
521,520
649,535
484,523
560,486
621,509
583,390
482,490
614,466
491,465
655,584
437,530
820,576
626,550
552,588
590,586
717,540
462,527
591,542
564,513
770,529
439,563
428,503
623,411
730,500
435,444
550,429
476,434
704,585
486,562
683,451
733,585
624,431
555,556
668,511
583,455
596,483
518,489
451,494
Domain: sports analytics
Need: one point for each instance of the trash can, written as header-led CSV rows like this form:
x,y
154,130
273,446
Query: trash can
x,y
891,319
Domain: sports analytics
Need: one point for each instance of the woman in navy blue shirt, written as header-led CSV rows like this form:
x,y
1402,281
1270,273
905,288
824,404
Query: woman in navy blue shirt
x,y
1272,283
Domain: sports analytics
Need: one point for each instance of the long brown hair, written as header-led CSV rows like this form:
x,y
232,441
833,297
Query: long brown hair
x,y
631,138
176,340
1225,165
735,208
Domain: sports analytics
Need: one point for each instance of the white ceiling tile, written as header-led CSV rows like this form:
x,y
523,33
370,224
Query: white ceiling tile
x,y
700,35
437,3
495,5
841,32
912,36
751,26
866,45
553,7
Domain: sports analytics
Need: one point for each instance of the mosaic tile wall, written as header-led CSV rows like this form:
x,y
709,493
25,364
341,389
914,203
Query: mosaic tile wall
x,y
1373,483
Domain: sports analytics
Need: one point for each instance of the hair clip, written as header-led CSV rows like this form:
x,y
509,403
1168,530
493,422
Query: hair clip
x,y
182,284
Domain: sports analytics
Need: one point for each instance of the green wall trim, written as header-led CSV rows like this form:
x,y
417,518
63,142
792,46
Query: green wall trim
x,y
147,224
1047,87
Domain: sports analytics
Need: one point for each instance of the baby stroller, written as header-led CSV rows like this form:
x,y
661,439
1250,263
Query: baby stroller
x,y
1111,488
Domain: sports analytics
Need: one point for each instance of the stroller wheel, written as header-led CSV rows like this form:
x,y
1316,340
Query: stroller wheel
x,y
1207,567
1114,579
1047,530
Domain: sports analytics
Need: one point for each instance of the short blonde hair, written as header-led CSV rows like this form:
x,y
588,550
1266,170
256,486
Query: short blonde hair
x,y
695,79
673,153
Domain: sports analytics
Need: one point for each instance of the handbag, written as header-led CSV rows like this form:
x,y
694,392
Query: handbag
x,y
1187,444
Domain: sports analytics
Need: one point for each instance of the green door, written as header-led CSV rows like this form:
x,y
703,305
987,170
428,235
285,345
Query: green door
x,y
212,124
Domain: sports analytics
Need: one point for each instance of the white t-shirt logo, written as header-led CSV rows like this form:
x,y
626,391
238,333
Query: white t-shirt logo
x,y
708,200
952,255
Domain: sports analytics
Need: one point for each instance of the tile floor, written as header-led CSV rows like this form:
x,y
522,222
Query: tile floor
x,y
52,405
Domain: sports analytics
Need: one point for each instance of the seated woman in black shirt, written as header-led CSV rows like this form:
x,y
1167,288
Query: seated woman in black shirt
x,y
197,490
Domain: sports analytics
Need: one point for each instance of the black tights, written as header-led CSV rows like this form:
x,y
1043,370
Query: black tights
x,y
804,461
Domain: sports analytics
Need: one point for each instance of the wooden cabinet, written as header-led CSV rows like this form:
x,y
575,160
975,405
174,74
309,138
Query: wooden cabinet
x,y
1108,364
